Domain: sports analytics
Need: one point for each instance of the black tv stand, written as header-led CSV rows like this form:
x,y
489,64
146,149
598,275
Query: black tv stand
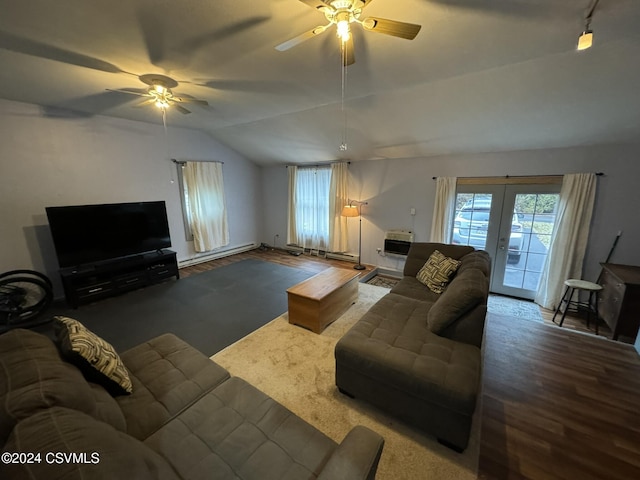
x,y
89,283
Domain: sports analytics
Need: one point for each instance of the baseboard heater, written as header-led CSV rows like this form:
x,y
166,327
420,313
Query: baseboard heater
x,y
348,257
206,257
398,242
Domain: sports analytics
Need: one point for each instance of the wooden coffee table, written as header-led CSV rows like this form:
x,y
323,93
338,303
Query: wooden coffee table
x,y
321,299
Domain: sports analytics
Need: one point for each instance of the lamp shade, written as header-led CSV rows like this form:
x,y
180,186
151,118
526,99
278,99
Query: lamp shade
x,y
350,211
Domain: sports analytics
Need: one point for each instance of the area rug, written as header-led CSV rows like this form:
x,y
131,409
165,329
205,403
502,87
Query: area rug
x,y
513,307
383,281
210,310
296,367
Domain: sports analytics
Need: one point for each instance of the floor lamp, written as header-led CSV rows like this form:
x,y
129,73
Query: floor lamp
x,y
352,210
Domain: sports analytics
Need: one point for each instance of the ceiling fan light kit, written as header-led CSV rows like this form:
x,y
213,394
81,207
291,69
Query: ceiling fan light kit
x,y
342,13
160,94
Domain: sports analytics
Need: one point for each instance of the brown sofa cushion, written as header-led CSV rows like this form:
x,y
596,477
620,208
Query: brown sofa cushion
x,y
107,409
105,453
168,376
237,431
95,357
467,290
392,347
412,288
478,259
33,377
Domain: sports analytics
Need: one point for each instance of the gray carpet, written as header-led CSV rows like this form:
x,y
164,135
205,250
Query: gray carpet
x,y
210,310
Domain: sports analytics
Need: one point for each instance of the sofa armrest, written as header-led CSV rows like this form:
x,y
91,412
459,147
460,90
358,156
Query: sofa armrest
x,y
356,457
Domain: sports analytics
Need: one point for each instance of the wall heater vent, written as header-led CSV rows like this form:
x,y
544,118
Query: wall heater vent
x,y
398,242
349,257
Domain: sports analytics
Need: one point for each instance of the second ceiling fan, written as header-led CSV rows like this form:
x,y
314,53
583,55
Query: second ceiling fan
x,y
160,94
342,13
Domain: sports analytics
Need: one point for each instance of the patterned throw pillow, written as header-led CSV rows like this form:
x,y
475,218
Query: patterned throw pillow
x,y
437,271
96,358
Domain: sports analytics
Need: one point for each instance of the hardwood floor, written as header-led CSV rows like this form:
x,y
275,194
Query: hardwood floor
x,y
310,263
578,323
556,404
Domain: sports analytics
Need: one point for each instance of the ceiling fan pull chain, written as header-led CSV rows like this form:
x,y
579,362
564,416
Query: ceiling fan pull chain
x,y
343,63
166,142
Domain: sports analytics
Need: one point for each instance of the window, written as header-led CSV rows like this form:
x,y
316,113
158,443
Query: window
x,y
316,197
311,199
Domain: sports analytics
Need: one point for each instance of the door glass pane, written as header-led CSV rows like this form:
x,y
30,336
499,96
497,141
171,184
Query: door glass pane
x,y
532,224
471,221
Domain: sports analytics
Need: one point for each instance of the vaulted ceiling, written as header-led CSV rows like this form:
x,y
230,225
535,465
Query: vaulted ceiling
x,y
481,76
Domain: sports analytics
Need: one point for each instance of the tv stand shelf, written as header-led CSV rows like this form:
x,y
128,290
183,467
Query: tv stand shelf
x,y
88,283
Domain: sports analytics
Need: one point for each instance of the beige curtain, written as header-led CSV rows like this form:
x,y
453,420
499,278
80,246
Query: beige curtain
x,y
569,238
338,198
443,210
292,233
207,209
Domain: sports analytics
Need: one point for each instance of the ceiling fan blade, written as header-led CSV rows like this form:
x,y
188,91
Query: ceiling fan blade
x,y
150,101
130,91
391,27
181,109
184,99
301,38
349,57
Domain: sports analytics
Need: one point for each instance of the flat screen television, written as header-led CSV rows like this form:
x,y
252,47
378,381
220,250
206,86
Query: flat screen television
x,y
85,234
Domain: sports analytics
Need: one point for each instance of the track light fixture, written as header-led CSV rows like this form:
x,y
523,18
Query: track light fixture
x,y
585,40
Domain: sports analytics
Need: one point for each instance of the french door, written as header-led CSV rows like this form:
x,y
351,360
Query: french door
x,y
514,224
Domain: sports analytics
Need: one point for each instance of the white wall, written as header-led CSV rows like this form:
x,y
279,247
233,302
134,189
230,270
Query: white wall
x,y
392,187
275,204
69,161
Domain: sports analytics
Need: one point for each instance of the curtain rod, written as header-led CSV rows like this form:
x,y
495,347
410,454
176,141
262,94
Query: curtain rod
x,y
598,174
183,162
317,164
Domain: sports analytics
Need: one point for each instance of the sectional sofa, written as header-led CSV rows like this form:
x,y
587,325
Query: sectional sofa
x,y
417,354
185,418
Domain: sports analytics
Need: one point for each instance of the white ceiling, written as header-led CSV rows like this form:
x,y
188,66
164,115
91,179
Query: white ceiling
x,y
481,76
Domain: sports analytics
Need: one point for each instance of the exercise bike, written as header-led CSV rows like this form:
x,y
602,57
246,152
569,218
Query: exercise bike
x,y
24,296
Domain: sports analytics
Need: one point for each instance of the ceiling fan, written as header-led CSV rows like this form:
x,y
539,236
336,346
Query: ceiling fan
x,y
160,94
342,13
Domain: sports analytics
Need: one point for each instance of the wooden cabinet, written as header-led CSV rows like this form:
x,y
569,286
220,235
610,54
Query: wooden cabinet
x,y
88,283
619,300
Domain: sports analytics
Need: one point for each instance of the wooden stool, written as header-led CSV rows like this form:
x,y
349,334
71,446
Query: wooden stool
x,y
573,285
